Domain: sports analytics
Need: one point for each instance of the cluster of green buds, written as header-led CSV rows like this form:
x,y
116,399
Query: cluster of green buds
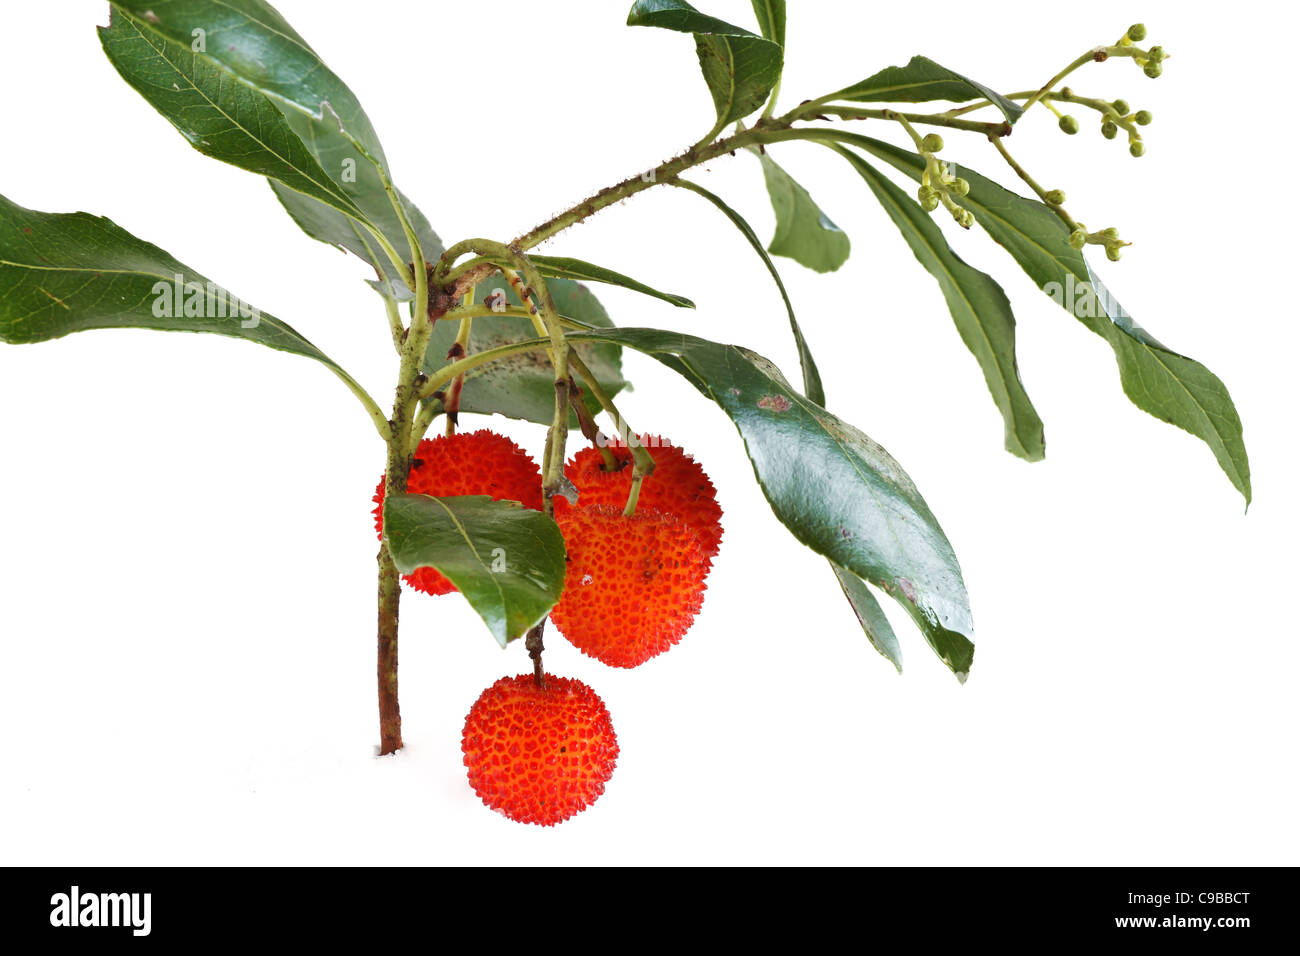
x,y
1115,115
1150,60
939,185
1108,237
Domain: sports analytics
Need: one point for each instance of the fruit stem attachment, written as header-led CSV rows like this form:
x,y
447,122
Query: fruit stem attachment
x,y
645,463
588,426
633,494
534,645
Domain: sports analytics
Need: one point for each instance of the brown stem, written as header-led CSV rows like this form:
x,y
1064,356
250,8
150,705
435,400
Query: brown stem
x,y
390,596
396,475
534,644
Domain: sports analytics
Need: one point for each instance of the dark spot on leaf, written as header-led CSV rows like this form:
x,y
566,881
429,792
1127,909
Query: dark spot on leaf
x,y
908,588
774,403
845,533
27,228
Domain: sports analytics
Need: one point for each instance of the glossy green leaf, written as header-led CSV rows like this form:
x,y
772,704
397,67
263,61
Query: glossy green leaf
x,y
978,305
921,81
1170,386
771,19
330,226
524,387
834,488
740,67
257,50
559,267
803,232
507,560
870,615
69,272
812,381
220,119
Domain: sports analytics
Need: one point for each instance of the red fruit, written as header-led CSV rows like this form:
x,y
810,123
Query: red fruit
x,y
539,756
633,585
467,463
678,486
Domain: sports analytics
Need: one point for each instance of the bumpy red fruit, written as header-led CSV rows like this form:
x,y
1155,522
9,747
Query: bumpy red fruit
x,y
467,463
539,756
632,586
678,486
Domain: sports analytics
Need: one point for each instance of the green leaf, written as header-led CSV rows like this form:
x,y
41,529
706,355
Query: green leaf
x,y
507,560
524,387
978,305
558,267
812,381
1170,386
740,67
69,272
771,19
255,49
330,226
834,488
921,81
219,118
870,615
803,232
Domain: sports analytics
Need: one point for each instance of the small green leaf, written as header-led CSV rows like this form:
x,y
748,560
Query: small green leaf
x,y
834,488
1172,387
220,119
812,381
803,232
507,560
740,67
921,81
558,267
524,387
771,19
978,305
870,615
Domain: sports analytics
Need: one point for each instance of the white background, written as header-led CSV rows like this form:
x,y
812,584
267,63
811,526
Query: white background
x,y
186,547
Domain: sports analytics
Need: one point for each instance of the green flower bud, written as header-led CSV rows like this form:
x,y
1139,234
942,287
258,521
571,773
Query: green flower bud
x,y
1109,129
1056,197
1112,253
1137,32
928,198
1069,125
932,143
1142,118
1110,232
959,187
1152,69
1078,239
1156,54
1121,107
966,219
1137,148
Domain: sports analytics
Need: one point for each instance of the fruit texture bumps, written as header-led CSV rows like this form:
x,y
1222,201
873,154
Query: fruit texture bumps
x,y
467,463
539,756
678,487
632,586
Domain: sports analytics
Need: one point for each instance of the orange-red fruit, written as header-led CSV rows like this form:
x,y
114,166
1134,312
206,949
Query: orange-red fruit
x,y
539,756
632,586
467,463
678,486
